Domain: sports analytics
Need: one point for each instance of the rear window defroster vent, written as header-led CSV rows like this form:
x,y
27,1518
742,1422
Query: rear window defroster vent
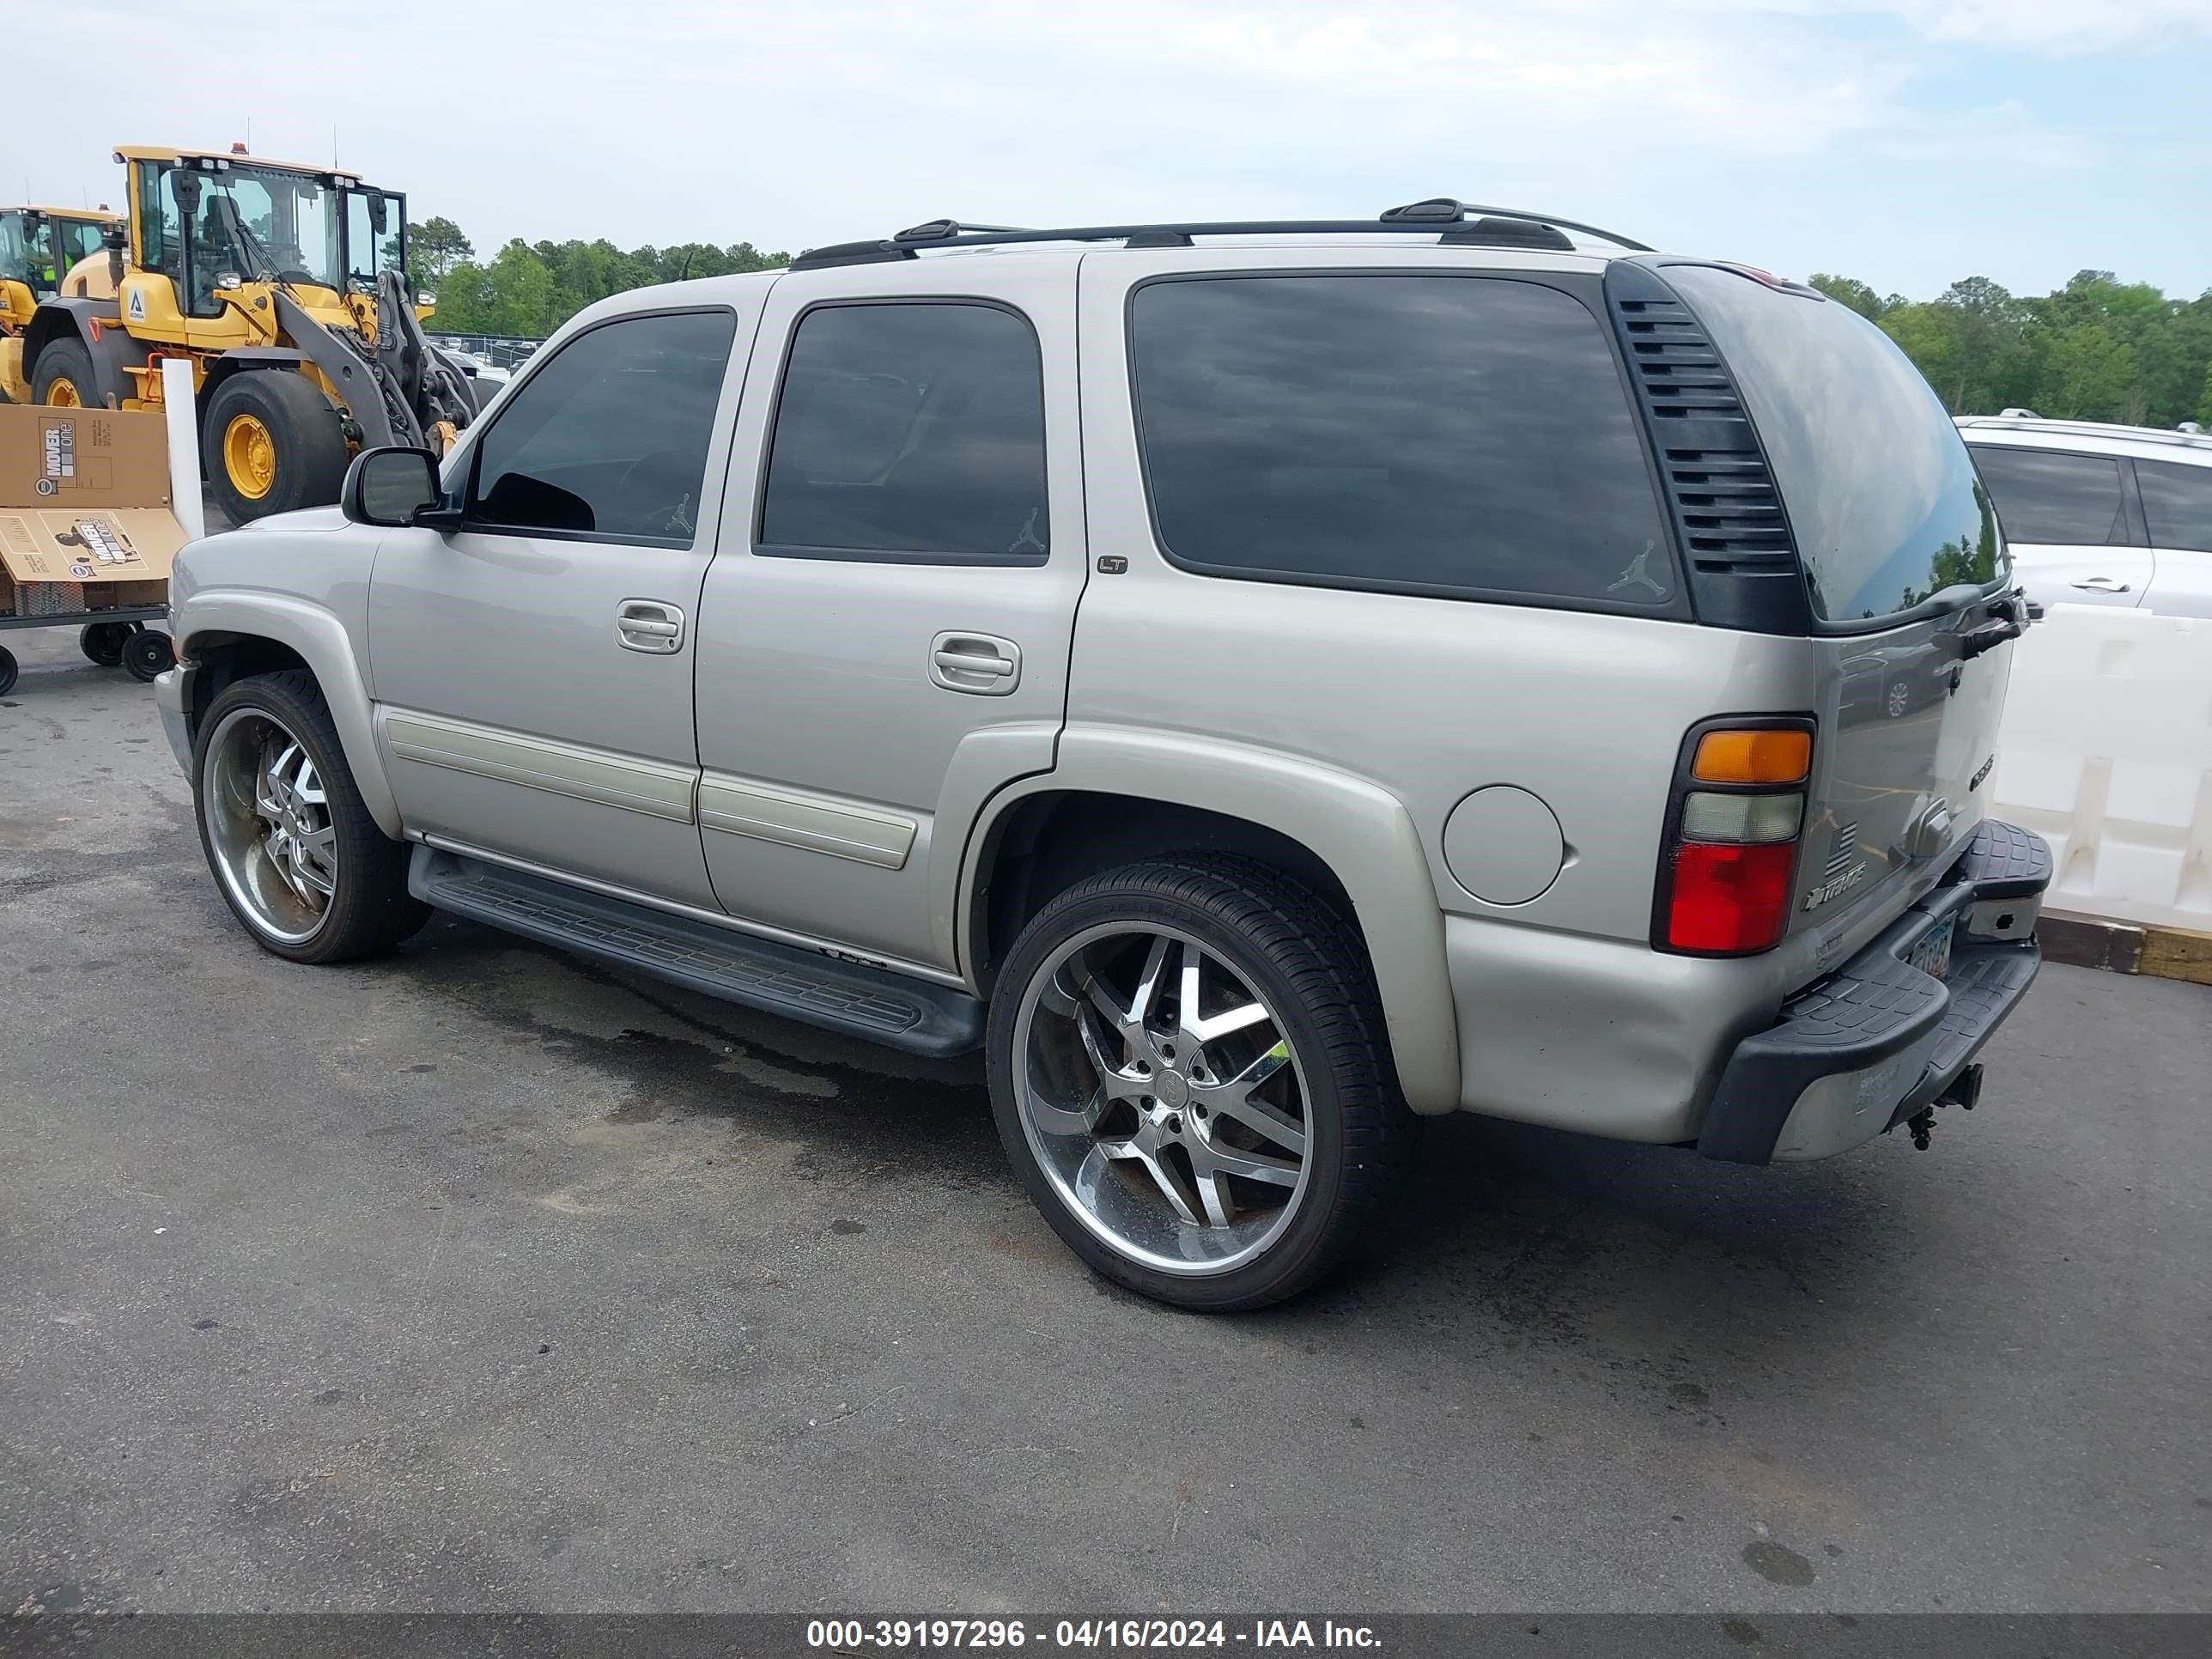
x,y
1722,496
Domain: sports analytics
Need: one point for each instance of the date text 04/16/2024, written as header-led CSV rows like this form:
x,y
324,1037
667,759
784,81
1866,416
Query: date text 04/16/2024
x,y
895,1635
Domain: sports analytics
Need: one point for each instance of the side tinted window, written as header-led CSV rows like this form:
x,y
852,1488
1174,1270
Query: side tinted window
x,y
912,431
2178,501
609,437
1428,434
2045,496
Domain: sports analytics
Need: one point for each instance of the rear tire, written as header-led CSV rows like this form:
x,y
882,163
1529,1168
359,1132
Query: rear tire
x,y
272,443
1135,1120
63,377
294,850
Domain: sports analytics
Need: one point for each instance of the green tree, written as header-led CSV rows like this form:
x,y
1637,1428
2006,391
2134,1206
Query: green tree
x,y
2089,374
532,288
1848,290
434,247
521,293
1972,343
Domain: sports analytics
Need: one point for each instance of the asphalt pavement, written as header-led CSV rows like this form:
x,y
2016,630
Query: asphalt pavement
x,y
481,1278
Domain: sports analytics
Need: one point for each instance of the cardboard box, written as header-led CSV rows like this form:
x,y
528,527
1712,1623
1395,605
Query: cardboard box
x,y
84,500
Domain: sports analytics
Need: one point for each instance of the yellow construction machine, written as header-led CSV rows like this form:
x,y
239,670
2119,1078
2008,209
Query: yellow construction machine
x,y
45,252
286,288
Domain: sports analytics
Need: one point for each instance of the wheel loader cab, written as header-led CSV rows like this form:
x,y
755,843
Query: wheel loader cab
x,y
285,287
46,253
42,251
223,231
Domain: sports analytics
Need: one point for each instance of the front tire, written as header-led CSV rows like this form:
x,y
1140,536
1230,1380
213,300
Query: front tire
x,y
293,847
273,443
1188,1070
63,377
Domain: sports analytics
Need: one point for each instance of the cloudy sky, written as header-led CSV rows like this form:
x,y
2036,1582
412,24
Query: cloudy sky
x,y
1906,142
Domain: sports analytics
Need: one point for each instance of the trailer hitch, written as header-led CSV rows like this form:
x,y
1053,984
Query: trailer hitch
x,y
1963,1091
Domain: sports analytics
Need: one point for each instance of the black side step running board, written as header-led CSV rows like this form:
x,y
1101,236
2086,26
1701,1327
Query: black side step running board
x,y
800,984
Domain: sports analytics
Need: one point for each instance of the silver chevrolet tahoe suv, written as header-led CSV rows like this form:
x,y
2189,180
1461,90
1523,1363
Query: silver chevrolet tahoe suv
x,y
1262,684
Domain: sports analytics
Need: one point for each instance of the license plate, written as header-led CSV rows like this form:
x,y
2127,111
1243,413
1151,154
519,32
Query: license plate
x,y
1931,953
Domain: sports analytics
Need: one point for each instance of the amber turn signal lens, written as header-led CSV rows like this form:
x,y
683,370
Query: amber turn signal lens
x,y
1752,757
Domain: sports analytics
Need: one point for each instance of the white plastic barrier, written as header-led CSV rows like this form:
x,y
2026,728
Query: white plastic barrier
x,y
2106,753
184,499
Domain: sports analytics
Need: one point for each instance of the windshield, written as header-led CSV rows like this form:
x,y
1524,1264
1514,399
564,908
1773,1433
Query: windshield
x,y
258,222
1881,496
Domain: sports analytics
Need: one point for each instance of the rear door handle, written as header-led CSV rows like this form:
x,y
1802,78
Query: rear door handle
x,y
982,665
2102,585
653,626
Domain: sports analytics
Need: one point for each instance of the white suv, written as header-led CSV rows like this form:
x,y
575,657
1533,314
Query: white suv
x,y
1261,683
2099,514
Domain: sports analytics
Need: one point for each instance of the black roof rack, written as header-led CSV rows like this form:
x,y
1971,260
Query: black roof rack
x,y
1495,226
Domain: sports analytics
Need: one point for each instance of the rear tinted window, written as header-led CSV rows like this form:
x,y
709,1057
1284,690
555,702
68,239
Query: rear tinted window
x,y
1424,434
2045,496
1881,496
910,430
2178,501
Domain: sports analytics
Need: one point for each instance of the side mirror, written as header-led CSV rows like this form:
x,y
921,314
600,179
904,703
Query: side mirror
x,y
390,487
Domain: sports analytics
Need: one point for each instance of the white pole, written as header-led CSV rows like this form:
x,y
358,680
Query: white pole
x,y
185,498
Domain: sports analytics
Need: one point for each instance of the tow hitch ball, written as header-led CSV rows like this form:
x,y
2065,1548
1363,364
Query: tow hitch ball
x,y
1963,1092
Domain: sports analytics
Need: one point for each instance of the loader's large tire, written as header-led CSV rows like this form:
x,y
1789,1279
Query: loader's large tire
x,y
272,443
63,376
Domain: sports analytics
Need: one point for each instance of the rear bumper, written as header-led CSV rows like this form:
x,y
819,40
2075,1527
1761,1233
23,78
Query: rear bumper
x,y
1861,1050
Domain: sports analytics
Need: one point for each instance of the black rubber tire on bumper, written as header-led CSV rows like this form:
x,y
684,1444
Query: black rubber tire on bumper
x,y
311,456
148,655
1306,961
371,910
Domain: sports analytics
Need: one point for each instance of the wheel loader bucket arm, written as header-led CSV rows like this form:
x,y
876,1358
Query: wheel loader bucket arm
x,y
431,384
365,385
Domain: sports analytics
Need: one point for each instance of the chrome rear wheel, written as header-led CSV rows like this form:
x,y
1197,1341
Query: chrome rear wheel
x,y
1163,1098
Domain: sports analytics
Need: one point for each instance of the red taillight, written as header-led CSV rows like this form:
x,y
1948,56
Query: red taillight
x,y
1730,859
1729,898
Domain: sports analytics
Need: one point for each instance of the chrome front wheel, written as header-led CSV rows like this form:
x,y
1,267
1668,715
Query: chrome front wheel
x,y
1163,1099
269,828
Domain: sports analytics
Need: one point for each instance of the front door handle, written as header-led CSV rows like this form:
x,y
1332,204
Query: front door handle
x,y
653,626
2102,585
982,665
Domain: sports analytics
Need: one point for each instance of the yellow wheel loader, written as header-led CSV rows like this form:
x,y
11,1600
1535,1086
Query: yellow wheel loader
x,y
45,253
286,288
